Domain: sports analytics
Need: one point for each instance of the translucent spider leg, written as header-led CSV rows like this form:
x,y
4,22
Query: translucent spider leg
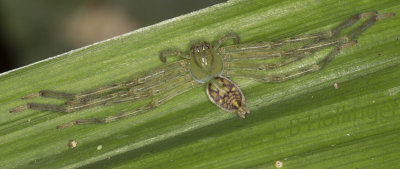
x,y
227,37
72,99
137,92
110,93
50,94
339,42
145,91
353,19
169,70
301,40
239,61
160,76
172,52
163,97
292,74
328,34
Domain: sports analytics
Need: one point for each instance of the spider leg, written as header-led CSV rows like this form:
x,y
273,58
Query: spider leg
x,y
355,33
353,19
38,106
135,93
70,106
302,39
256,65
240,61
292,74
81,96
172,52
265,49
368,23
340,42
108,94
328,34
167,70
140,92
228,36
49,94
163,97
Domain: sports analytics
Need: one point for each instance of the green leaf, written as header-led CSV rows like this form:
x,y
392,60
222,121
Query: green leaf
x,y
304,122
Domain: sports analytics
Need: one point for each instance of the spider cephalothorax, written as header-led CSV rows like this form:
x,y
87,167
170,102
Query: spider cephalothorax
x,y
205,64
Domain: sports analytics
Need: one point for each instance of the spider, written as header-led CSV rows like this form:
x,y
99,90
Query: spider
x,y
210,65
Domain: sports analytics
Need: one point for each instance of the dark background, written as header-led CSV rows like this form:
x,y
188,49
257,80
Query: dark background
x,y
35,30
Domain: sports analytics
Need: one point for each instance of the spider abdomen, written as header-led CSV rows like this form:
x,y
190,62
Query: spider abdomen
x,y
226,95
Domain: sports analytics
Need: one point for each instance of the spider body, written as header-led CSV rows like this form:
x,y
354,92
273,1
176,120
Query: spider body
x,y
206,66
210,65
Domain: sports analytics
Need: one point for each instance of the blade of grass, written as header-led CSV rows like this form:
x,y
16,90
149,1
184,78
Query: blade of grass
x,y
305,122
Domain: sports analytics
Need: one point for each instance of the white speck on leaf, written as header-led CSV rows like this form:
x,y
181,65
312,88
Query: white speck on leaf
x,y
72,144
278,164
336,85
